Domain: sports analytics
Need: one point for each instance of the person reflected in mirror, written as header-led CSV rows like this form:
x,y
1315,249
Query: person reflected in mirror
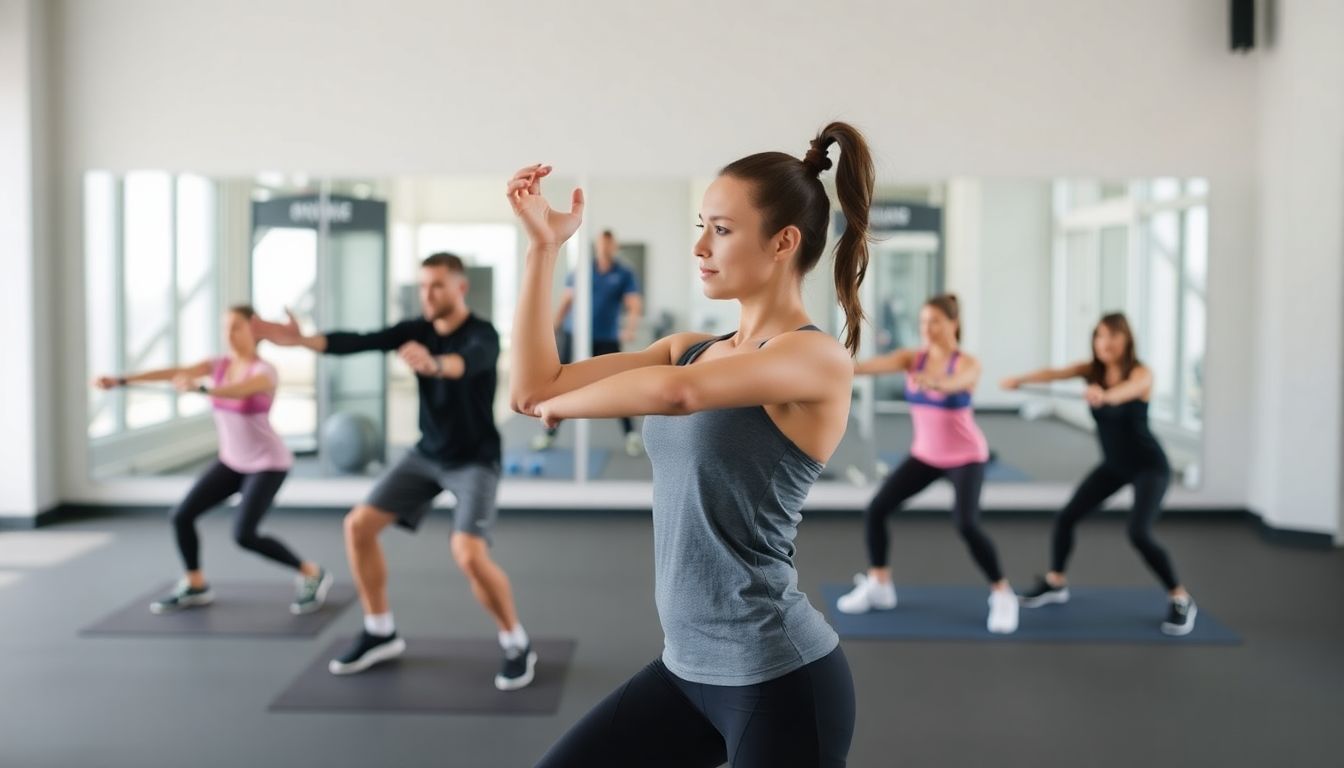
x,y
616,311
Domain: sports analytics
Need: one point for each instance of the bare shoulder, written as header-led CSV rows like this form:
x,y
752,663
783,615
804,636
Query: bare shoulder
x,y
966,360
818,349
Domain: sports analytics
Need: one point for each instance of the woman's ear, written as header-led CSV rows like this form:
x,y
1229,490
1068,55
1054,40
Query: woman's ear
x,y
786,243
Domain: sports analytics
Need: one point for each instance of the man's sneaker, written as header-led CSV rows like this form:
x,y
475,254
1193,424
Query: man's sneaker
x,y
310,594
184,596
1043,594
634,445
1180,617
867,595
517,669
366,651
543,441
1002,612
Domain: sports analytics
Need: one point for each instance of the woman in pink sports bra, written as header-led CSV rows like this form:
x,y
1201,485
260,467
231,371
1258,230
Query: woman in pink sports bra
x,y
939,379
253,461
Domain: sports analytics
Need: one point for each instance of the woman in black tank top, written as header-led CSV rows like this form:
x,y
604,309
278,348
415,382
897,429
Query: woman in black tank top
x,y
1118,387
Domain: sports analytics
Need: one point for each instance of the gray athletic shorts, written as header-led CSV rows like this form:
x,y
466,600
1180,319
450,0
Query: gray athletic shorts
x,y
408,489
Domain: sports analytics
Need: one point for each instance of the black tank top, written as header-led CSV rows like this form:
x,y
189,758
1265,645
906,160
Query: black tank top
x,y
1127,444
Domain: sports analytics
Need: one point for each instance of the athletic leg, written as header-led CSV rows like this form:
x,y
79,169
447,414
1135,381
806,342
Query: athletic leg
x,y
258,492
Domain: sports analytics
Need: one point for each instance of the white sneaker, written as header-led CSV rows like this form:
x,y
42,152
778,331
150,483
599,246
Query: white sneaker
x,y
1002,612
867,595
543,441
634,445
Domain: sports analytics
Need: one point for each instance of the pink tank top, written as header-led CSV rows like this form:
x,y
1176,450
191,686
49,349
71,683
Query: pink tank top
x,y
247,442
946,434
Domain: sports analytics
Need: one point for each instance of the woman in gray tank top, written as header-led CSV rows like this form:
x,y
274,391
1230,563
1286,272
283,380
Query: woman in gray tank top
x,y
738,428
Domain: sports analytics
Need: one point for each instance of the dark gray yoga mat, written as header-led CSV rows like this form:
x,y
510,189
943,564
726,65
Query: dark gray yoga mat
x,y
435,675
1125,615
241,609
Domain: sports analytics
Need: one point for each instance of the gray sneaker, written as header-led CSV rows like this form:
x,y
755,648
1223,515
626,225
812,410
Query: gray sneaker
x,y
184,596
310,594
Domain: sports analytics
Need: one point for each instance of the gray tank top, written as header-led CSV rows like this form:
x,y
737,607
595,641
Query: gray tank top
x,y
728,490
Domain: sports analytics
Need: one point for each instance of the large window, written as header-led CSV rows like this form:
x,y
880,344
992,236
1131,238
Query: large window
x,y
1144,253
150,248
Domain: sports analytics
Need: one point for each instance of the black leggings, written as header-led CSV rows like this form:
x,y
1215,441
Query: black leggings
x,y
212,488
914,476
599,348
1150,485
804,719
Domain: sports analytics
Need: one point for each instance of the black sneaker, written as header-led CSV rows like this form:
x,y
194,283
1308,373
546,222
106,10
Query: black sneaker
x,y
517,670
311,593
1043,594
366,651
184,596
1180,617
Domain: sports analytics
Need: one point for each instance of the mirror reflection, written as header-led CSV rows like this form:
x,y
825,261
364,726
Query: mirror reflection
x,y
1033,264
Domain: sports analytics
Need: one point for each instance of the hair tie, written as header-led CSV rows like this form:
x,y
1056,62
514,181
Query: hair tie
x,y
816,159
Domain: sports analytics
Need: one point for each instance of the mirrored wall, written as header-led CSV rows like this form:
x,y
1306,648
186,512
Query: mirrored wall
x,y
1034,262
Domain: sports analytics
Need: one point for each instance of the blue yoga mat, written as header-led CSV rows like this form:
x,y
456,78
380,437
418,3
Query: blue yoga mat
x,y
1126,615
553,463
996,472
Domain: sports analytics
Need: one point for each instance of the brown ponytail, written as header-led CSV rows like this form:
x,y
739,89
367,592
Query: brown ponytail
x,y
951,308
788,192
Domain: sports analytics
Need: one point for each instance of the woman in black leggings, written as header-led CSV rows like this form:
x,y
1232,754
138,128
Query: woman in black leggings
x,y
253,461
939,379
738,428
1118,388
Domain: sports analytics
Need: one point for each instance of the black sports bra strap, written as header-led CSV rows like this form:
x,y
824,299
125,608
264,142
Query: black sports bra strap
x,y
695,350
808,327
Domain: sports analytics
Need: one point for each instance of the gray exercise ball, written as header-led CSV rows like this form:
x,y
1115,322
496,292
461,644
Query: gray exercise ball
x,y
349,441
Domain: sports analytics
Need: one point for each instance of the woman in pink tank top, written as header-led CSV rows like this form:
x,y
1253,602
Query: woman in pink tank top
x,y
947,444
253,461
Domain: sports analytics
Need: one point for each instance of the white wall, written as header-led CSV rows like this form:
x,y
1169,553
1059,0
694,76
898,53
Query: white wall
x,y
27,466
956,88
1297,453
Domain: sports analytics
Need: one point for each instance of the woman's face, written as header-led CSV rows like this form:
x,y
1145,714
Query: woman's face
x,y
1108,345
238,334
735,257
936,327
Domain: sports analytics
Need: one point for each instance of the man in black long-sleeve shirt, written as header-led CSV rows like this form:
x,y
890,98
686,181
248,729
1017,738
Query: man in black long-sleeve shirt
x,y
453,354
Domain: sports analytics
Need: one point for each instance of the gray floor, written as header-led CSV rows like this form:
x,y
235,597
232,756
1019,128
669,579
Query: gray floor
x,y
1276,700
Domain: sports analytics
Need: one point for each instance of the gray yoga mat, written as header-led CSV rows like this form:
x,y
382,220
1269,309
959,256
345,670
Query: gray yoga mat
x,y
435,675
241,609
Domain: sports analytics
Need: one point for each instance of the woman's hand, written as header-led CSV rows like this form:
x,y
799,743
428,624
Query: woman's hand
x,y
106,382
1012,382
545,412
184,382
544,225
285,334
925,381
1095,395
